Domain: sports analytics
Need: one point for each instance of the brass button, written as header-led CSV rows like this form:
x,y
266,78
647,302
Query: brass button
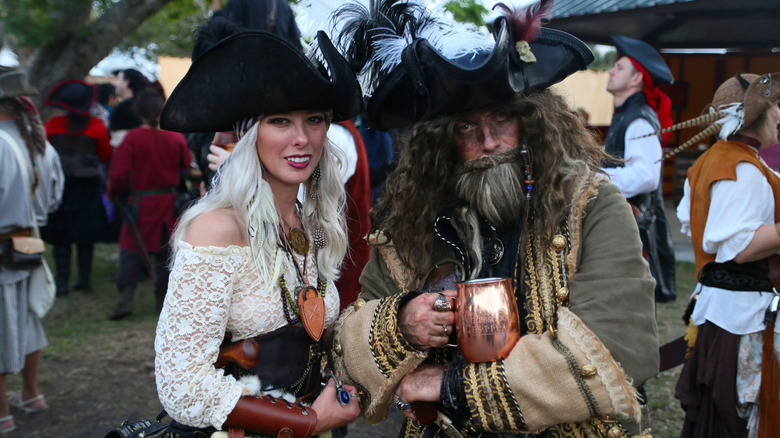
x,y
358,303
587,371
614,432
562,295
558,242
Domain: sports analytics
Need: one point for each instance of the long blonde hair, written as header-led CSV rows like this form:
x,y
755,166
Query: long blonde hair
x,y
240,186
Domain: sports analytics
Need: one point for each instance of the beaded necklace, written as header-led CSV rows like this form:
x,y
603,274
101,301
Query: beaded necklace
x,y
291,311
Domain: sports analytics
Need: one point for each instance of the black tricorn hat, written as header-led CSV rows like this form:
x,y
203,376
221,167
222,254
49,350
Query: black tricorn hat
x,y
73,95
427,84
646,56
249,73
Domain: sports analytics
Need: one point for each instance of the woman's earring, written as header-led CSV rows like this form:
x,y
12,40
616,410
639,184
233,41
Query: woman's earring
x,y
315,182
527,170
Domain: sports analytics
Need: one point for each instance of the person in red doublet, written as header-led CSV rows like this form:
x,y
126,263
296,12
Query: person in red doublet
x,y
146,170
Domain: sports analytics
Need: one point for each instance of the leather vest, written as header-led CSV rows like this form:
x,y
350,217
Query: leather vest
x,y
77,154
719,162
633,108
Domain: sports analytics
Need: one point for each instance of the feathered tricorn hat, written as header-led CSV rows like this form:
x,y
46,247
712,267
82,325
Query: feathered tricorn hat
x,y
412,74
237,74
737,104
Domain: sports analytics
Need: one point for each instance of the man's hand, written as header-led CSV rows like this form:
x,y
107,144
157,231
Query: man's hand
x,y
217,156
421,385
422,326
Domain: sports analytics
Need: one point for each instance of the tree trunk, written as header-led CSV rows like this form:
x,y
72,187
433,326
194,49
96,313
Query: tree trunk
x,y
81,44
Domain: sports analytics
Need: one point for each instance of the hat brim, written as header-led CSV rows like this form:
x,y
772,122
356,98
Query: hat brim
x,y
253,73
14,83
646,56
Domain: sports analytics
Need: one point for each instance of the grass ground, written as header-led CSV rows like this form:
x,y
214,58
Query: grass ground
x,y
96,373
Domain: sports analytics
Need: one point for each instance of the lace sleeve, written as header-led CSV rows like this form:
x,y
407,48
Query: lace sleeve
x,y
189,332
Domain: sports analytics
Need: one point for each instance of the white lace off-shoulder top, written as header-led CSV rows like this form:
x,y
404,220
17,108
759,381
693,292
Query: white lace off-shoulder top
x,y
212,290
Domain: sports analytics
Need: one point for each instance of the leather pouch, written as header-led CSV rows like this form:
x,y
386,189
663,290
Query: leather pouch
x,y
21,252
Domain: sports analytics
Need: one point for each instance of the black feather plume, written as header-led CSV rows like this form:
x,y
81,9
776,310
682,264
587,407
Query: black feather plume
x,y
213,31
526,24
363,28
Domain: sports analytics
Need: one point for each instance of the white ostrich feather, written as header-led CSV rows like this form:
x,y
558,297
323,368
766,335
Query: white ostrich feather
x,y
453,40
734,116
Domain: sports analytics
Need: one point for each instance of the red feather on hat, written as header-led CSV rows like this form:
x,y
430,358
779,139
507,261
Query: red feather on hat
x,y
527,24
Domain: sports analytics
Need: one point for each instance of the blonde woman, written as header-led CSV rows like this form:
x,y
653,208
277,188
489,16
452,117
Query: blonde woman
x,y
250,261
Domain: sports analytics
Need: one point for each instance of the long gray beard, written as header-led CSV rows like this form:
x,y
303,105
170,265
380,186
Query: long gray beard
x,y
495,191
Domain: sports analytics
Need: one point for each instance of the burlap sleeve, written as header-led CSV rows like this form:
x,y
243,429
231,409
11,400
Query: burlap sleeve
x,y
547,381
368,350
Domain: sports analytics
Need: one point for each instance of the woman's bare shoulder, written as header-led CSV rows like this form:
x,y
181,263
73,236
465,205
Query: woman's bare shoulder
x,y
215,228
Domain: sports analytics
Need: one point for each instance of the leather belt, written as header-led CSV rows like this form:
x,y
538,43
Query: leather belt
x,y
737,277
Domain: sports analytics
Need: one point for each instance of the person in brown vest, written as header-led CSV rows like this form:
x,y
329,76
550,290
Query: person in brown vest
x,y
729,385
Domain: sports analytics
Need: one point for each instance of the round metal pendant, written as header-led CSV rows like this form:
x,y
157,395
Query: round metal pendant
x,y
299,241
496,252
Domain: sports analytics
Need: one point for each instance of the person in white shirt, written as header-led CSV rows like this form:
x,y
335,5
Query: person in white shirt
x,y
729,208
640,109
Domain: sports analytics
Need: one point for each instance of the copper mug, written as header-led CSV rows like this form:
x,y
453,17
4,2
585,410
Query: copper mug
x,y
486,321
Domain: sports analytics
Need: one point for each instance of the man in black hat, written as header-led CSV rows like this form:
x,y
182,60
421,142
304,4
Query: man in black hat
x,y
498,179
640,109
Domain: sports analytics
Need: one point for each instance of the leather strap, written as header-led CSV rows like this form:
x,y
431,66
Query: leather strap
x,y
19,232
769,403
272,416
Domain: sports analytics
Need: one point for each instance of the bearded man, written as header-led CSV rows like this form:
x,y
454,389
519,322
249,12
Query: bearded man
x,y
499,176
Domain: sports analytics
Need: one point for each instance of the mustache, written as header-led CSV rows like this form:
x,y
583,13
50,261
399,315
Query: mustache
x,y
490,161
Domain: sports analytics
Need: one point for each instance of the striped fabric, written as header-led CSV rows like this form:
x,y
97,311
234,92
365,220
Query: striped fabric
x,y
21,331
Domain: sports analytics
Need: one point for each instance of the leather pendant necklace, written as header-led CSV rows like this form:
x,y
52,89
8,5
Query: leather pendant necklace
x,y
312,309
496,252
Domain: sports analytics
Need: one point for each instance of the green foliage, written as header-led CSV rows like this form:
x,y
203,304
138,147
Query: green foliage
x,y
467,11
603,60
29,21
170,31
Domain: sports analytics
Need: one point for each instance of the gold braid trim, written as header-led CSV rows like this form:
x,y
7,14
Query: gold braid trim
x,y
490,400
388,346
534,319
412,429
593,428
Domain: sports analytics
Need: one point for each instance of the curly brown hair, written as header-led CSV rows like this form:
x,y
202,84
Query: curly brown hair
x,y
422,184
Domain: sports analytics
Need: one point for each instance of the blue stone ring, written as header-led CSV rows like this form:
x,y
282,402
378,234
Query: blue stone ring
x,y
342,395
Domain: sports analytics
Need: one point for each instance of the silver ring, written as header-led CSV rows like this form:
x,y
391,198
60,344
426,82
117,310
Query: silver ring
x,y
401,405
442,304
445,329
